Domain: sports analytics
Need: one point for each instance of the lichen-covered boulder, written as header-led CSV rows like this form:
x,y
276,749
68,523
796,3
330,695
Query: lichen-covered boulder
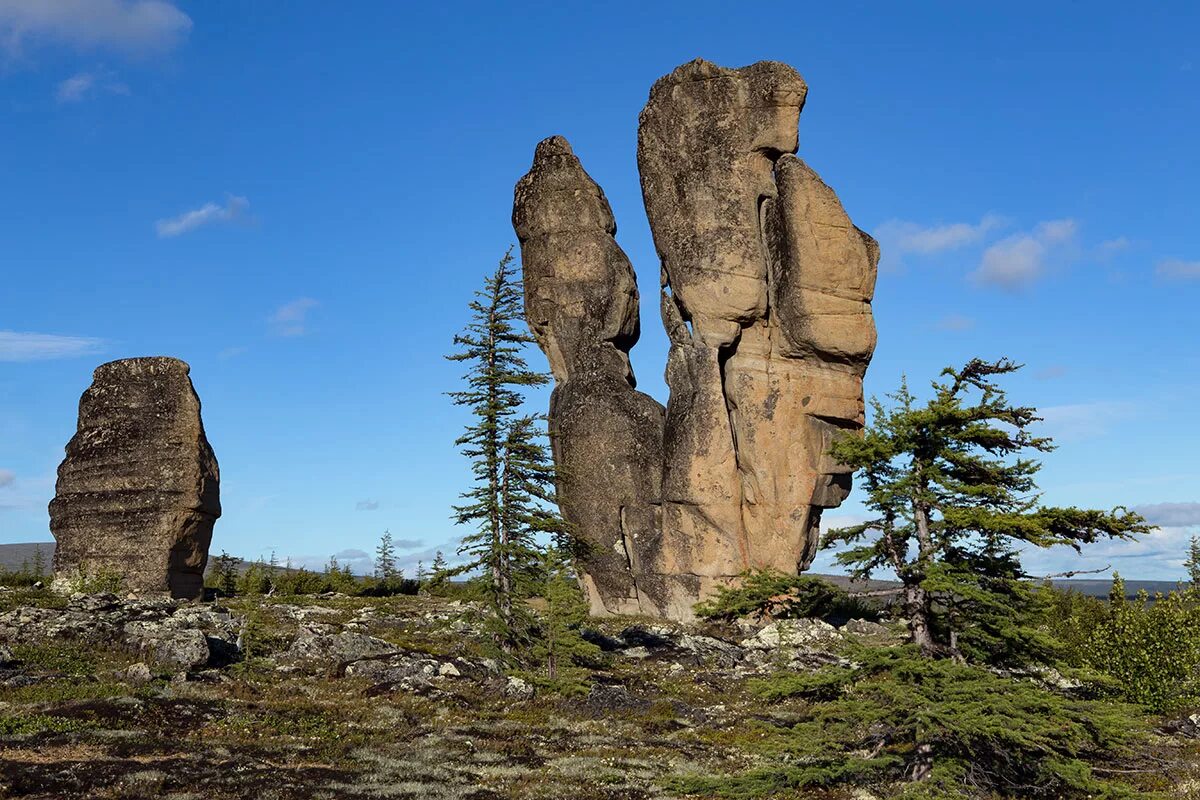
x,y
138,492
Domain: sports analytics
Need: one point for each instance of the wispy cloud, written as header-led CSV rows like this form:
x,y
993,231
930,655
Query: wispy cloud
x,y
232,352
131,27
955,322
407,544
291,319
1157,555
7,476
84,84
1051,372
1081,421
207,214
1174,269
1170,515
17,346
366,505
1107,249
898,238
1019,261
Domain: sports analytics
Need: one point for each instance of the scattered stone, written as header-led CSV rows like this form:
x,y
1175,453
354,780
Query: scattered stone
x,y
137,494
184,649
177,635
138,673
518,689
320,645
793,633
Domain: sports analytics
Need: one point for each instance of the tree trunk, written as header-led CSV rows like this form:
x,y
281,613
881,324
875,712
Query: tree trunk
x,y
924,763
916,608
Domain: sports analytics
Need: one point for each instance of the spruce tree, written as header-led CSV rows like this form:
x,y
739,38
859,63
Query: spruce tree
x,y
227,574
385,561
560,642
954,498
1192,564
508,461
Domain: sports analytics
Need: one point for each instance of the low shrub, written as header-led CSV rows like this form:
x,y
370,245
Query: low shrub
x,y
766,593
961,731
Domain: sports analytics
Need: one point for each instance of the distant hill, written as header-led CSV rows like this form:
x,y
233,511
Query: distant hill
x,y
12,556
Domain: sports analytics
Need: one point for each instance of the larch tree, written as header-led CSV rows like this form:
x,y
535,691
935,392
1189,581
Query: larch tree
x,y
954,498
512,474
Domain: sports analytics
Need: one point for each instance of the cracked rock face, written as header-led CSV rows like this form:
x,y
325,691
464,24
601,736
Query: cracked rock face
x,y
581,301
766,289
138,494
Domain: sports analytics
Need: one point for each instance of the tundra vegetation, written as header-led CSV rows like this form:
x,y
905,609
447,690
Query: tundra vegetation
x,y
485,678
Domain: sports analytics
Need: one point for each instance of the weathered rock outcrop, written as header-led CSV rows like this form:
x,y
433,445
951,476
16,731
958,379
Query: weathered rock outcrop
x,y
138,493
581,301
766,300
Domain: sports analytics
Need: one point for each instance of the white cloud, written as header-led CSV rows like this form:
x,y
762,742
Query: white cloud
x,y
1158,555
291,319
7,476
1080,421
232,352
1106,250
955,322
1020,260
1170,515
131,27
207,214
16,346
899,237
366,505
79,86
1173,269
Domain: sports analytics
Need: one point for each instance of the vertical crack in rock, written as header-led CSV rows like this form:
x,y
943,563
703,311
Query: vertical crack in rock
x,y
139,489
766,289
581,302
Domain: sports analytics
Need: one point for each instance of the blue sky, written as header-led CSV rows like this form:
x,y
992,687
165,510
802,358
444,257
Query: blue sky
x,y
299,198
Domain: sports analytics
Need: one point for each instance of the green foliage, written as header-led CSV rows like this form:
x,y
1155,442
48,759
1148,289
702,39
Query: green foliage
x,y
256,578
955,500
299,581
85,581
1151,648
559,646
223,574
967,731
1192,564
70,659
385,561
1071,619
30,724
767,593
511,502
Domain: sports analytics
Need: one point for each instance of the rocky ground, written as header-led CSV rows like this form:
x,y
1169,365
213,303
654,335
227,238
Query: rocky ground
x,y
339,697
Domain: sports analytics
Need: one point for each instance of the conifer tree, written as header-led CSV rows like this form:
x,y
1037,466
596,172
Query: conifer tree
x,y
1192,564
227,574
385,560
954,499
508,459
560,641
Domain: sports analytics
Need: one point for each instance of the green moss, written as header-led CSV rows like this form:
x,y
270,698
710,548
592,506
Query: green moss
x,y
30,724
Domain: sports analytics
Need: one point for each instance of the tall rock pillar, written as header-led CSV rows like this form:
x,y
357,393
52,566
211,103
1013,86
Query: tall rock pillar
x,y
138,492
